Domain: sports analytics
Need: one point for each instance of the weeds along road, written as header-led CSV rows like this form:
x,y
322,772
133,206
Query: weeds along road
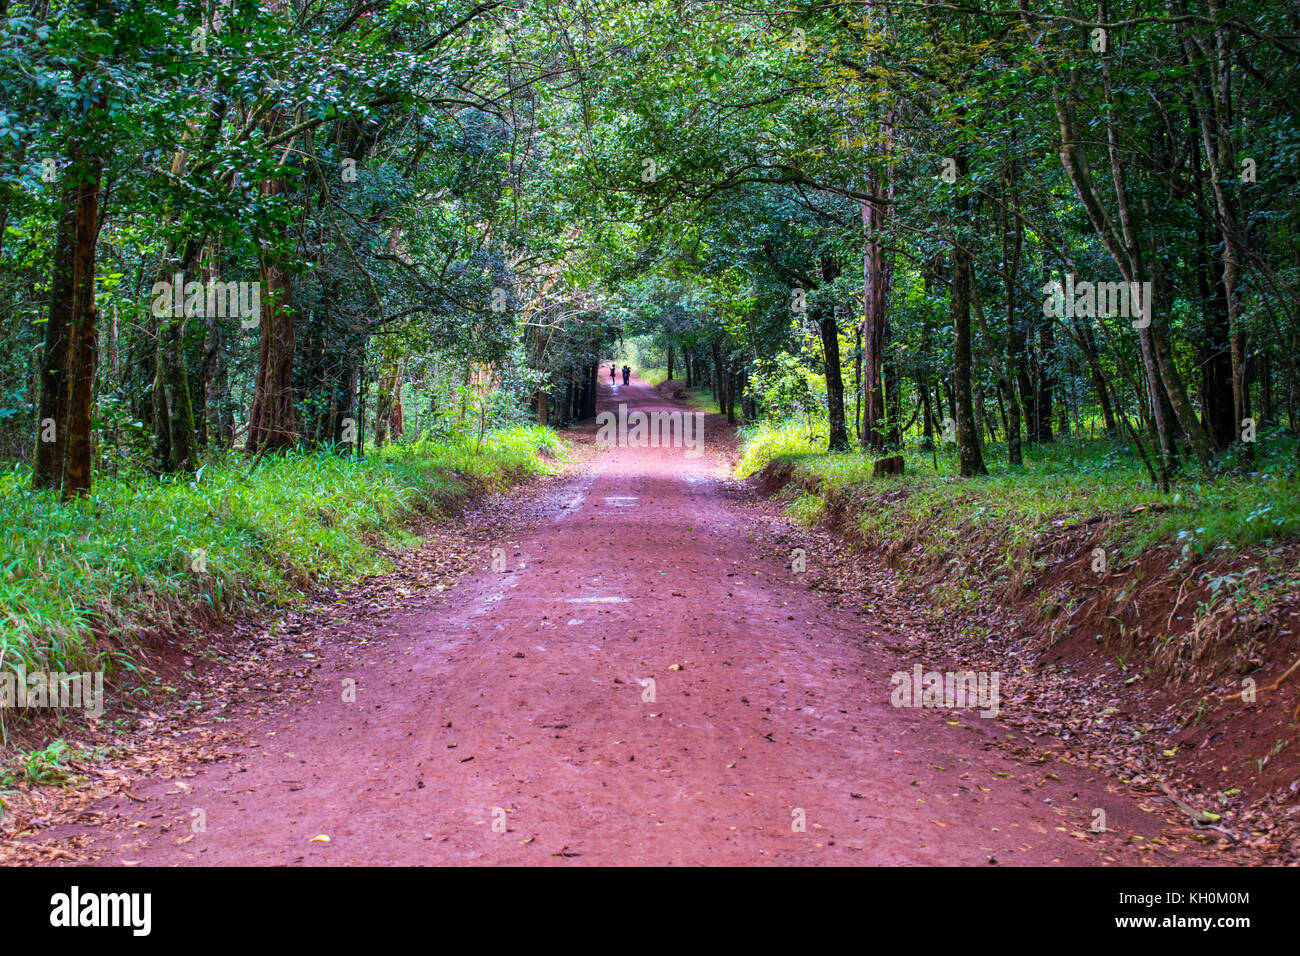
x,y
641,682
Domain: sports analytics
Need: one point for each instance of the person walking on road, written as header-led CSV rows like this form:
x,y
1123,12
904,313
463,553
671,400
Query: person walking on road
x,y
612,379
627,373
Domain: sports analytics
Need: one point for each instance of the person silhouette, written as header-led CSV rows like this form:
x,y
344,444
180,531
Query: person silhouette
x,y
612,379
627,373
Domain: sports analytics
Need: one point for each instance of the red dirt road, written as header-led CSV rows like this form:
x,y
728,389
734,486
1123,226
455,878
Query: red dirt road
x,y
506,721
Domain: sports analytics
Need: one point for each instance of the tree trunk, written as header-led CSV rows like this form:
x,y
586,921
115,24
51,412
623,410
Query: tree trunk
x,y
52,423
589,396
1214,111
176,439
1013,232
830,334
387,395
875,295
893,404
1044,393
968,438
273,424
1089,343
83,353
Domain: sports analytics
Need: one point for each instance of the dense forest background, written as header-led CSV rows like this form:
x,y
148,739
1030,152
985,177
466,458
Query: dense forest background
x,y
331,225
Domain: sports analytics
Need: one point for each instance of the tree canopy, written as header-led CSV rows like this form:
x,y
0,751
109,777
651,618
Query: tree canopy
x,y
272,225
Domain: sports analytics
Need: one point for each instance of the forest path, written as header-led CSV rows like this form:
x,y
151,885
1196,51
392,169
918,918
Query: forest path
x,y
509,720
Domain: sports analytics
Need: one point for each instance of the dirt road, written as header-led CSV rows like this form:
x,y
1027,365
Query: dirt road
x,y
640,682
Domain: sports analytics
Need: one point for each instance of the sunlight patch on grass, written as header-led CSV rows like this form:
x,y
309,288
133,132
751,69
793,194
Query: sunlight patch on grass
x,y
767,441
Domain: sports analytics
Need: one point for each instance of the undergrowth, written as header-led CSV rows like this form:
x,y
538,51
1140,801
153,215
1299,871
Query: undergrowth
x,y
79,579
1070,479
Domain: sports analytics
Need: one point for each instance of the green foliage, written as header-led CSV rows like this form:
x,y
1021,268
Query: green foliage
x,y
46,765
1068,481
785,386
128,557
769,441
471,204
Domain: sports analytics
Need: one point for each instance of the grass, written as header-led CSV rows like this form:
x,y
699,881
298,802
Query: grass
x,y
79,579
699,398
1070,478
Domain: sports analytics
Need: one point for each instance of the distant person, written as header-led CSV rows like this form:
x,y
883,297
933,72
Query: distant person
x,y
612,379
627,373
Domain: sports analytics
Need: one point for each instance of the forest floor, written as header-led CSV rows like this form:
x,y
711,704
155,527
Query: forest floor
x,y
617,665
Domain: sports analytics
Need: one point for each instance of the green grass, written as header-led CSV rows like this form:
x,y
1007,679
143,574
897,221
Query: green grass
x,y
767,441
78,579
699,398
695,397
1069,478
